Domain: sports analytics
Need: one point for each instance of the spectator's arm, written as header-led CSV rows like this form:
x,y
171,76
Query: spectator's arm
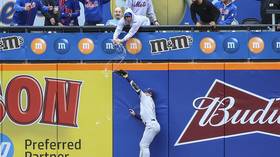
x,y
151,12
42,7
214,12
133,30
77,9
62,12
18,7
193,14
76,14
46,14
118,29
82,1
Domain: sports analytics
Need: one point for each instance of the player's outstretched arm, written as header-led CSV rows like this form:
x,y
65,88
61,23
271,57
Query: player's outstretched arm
x,y
134,86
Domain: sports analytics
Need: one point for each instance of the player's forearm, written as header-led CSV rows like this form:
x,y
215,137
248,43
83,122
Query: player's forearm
x,y
137,116
134,86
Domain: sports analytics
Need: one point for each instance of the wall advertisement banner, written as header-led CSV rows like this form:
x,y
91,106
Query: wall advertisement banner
x,y
81,110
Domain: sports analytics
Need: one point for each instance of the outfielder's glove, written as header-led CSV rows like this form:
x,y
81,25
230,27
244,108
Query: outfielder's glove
x,y
122,73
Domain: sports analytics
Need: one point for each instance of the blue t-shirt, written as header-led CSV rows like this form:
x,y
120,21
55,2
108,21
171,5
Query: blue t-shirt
x,y
26,18
228,13
112,22
69,12
93,10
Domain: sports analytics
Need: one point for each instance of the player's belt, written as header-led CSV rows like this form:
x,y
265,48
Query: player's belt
x,y
150,120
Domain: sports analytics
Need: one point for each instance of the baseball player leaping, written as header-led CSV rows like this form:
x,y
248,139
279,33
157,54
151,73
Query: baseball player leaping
x,y
147,115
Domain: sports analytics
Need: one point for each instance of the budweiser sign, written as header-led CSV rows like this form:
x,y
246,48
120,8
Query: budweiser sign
x,y
229,111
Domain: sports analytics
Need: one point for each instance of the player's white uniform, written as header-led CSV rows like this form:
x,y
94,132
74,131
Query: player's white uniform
x,y
142,7
148,116
136,22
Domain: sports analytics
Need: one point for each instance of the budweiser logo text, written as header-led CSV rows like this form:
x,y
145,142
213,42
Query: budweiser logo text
x,y
228,111
57,105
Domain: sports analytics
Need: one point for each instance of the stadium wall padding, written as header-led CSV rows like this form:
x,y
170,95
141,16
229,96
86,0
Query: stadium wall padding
x,y
165,46
104,127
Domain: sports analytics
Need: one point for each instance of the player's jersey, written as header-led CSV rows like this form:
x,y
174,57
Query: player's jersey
x,y
147,107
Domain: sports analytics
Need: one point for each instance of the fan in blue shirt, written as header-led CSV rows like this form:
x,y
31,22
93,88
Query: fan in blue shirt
x,y
26,10
93,11
69,12
228,12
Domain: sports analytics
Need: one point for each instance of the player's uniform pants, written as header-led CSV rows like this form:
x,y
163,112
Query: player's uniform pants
x,y
151,130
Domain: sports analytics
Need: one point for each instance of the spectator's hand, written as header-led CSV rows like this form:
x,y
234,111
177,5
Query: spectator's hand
x,y
278,27
156,23
212,23
55,10
27,7
50,8
117,41
60,24
198,24
52,20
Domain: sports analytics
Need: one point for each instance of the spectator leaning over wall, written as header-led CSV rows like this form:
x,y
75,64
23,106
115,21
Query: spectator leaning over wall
x,y
52,16
132,20
26,10
118,14
144,8
93,11
207,12
228,12
69,12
